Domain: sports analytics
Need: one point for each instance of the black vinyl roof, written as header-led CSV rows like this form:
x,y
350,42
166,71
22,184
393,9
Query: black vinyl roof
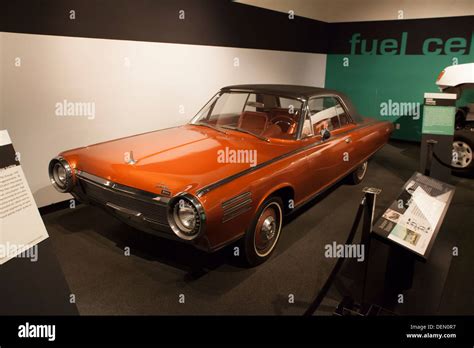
x,y
296,91
288,90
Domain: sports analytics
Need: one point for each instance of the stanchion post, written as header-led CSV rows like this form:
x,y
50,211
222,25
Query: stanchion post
x,y
430,143
368,219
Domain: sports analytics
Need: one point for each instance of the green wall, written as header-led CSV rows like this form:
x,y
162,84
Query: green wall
x,y
370,80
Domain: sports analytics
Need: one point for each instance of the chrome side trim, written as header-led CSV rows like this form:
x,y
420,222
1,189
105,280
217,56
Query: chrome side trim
x,y
232,200
229,217
236,206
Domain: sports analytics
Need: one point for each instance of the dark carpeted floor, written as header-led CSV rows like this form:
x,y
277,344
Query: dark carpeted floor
x,y
90,246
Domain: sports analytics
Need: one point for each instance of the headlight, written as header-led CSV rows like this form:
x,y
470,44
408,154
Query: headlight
x,y
60,174
186,216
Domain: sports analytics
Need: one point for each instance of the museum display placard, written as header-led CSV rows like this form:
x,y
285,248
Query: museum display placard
x,y
439,112
21,226
415,217
438,120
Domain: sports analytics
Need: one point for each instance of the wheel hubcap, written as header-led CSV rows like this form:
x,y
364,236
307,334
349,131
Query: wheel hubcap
x,y
462,155
267,229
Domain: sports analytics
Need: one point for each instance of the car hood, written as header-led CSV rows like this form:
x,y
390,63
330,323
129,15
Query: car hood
x,y
178,159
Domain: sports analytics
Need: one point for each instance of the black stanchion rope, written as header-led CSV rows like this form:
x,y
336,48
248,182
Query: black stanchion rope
x,y
323,292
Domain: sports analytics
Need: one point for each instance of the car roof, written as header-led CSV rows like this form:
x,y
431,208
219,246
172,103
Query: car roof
x,y
287,90
296,91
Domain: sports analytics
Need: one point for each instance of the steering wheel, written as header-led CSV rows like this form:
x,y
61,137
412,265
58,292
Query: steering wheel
x,y
286,123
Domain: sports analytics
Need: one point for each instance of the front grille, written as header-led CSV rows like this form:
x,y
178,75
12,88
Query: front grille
x,y
156,212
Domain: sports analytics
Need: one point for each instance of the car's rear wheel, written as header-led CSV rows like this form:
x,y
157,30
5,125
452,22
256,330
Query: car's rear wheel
x,y
264,231
359,174
462,155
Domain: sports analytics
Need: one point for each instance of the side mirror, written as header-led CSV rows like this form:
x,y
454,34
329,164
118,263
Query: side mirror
x,y
325,134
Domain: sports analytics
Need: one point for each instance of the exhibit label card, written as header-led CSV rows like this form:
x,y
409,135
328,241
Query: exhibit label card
x,y
438,120
413,220
21,226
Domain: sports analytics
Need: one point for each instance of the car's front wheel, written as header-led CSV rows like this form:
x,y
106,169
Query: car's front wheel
x,y
264,231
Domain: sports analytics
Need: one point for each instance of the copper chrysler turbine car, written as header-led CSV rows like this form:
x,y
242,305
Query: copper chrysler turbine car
x,y
251,155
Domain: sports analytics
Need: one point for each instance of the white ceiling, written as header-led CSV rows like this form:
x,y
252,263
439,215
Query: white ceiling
x,y
367,10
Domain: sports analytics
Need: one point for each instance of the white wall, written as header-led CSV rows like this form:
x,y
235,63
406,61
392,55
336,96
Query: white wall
x,y
143,95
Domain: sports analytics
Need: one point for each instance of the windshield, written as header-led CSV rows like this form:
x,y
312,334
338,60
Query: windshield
x,y
263,115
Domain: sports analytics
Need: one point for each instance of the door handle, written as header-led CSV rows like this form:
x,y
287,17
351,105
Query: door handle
x,y
348,140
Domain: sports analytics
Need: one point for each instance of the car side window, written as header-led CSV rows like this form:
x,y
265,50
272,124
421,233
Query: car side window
x,y
326,113
343,117
323,114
